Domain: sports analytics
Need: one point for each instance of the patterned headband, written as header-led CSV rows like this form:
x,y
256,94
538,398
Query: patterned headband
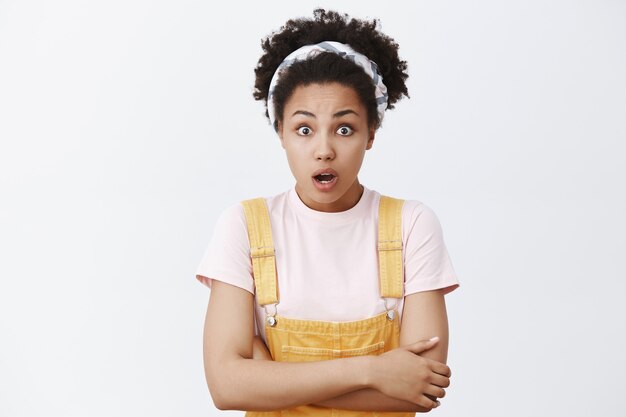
x,y
343,50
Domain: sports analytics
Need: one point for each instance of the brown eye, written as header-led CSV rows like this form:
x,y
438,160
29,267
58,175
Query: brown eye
x,y
304,131
345,130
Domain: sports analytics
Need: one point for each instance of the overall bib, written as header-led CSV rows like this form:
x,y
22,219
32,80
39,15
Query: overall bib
x,y
293,340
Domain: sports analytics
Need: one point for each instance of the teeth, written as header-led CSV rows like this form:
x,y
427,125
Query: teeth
x,y
324,178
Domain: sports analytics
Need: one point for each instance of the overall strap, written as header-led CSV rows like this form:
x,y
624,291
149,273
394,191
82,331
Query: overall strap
x,y
390,247
261,249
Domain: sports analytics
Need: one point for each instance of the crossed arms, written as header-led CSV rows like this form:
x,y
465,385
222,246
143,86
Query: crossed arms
x,y
238,380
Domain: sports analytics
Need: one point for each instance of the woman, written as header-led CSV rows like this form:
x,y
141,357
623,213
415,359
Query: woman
x,y
344,286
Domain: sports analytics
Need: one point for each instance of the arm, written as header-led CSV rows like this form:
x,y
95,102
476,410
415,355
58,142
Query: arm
x,y
424,313
423,316
366,399
238,382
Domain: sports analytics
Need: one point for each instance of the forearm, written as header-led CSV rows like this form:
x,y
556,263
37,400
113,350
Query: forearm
x,y
369,399
263,385
366,399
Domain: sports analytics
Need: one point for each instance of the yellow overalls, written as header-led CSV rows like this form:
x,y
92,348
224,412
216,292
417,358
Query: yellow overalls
x,y
293,340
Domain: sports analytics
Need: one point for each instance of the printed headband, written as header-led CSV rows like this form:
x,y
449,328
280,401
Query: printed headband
x,y
343,50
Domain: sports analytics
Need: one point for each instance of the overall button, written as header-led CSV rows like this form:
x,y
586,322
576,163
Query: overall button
x,y
391,314
271,321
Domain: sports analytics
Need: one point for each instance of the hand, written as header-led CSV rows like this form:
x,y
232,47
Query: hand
x,y
259,350
401,373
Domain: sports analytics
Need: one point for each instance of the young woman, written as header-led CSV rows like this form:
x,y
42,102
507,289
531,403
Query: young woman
x,y
343,287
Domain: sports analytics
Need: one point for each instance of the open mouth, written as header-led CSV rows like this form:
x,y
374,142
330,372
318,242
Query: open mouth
x,y
324,178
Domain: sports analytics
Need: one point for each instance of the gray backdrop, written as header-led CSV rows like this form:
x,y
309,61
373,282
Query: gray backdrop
x,y
127,126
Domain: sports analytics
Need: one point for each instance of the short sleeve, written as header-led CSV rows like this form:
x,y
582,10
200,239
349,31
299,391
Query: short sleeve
x,y
427,264
227,257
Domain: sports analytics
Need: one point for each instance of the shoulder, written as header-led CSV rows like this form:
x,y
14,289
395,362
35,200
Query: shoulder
x,y
422,231
413,210
416,214
234,215
272,201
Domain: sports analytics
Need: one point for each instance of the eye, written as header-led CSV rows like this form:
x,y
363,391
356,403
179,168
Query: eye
x,y
304,131
345,130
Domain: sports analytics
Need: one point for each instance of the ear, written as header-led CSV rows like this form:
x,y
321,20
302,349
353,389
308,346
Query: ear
x,y
370,140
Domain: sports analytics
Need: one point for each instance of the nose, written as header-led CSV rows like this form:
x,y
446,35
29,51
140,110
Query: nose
x,y
324,149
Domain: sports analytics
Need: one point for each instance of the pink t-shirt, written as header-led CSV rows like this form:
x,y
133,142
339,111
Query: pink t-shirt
x,y
326,263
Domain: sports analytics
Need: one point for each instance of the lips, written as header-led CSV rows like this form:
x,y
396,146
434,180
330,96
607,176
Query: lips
x,y
324,179
325,171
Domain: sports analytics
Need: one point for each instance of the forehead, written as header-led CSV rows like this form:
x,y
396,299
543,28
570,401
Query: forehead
x,y
321,97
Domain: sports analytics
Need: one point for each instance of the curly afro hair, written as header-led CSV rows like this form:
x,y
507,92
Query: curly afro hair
x,y
326,67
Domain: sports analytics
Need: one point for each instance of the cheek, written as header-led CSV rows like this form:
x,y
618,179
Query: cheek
x,y
356,159
357,152
295,158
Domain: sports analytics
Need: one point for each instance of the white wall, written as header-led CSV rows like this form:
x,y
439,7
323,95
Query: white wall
x,y
127,126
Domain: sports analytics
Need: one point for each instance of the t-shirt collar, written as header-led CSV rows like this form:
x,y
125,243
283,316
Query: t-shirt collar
x,y
356,212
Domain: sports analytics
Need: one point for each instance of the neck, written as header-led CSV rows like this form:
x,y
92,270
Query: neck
x,y
345,202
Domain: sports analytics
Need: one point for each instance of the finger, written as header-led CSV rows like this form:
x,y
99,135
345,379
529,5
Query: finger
x,y
435,392
426,402
440,368
423,345
439,380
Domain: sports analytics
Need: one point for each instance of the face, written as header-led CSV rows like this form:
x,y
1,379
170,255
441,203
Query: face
x,y
324,127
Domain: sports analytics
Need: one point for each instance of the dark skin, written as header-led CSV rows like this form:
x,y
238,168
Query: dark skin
x,y
431,303
398,380
237,366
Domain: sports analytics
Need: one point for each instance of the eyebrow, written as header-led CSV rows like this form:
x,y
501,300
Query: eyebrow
x,y
336,115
